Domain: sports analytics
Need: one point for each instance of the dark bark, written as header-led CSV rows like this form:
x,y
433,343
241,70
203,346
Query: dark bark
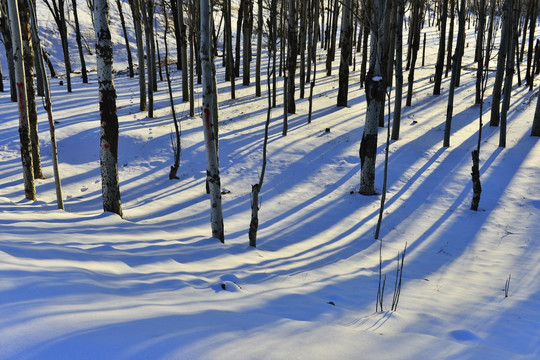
x,y
346,29
291,56
79,40
442,50
126,40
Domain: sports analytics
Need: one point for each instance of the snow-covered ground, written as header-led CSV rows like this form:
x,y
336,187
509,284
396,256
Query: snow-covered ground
x,y
81,284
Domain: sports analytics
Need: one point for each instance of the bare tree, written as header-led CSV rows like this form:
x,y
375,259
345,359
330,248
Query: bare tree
x,y
58,11
292,53
346,45
456,63
506,39
126,39
399,70
24,135
78,39
137,24
107,109
5,30
536,121
442,50
28,54
209,122
375,92
40,64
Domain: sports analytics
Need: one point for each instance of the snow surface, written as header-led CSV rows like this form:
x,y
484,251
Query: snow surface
x,y
83,284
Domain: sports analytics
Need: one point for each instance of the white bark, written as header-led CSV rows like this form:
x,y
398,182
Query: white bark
x,y
40,64
209,122
107,106
24,134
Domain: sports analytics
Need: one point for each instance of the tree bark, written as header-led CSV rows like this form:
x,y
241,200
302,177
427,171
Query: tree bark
x,y
137,21
24,134
107,109
40,64
126,40
399,70
292,53
535,131
455,64
346,30
507,91
209,122
247,27
79,40
259,48
28,55
375,92
442,50
501,61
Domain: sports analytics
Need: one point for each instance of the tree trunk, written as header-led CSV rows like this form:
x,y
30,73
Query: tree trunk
x,y
450,36
8,45
313,55
291,57
256,188
28,55
507,92
530,53
535,131
399,70
302,46
24,134
442,50
259,48
415,46
248,27
209,122
136,11
501,61
191,74
375,92
330,55
346,29
239,22
228,52
107,109
457,60
1,79
149,36
126,40
79,41
479,51
183,51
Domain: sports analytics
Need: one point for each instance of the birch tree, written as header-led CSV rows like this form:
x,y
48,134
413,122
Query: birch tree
x,y
78,39
24,135
58,11
375,92
137,24
40,64
28,55
107,109
209,122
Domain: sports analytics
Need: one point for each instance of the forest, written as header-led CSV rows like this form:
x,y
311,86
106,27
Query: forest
x,y
269,179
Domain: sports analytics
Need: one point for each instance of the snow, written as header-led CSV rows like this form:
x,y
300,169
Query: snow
x,y
83,284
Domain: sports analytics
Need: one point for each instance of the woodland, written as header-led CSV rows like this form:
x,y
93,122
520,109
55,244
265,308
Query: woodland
x,y
269,179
